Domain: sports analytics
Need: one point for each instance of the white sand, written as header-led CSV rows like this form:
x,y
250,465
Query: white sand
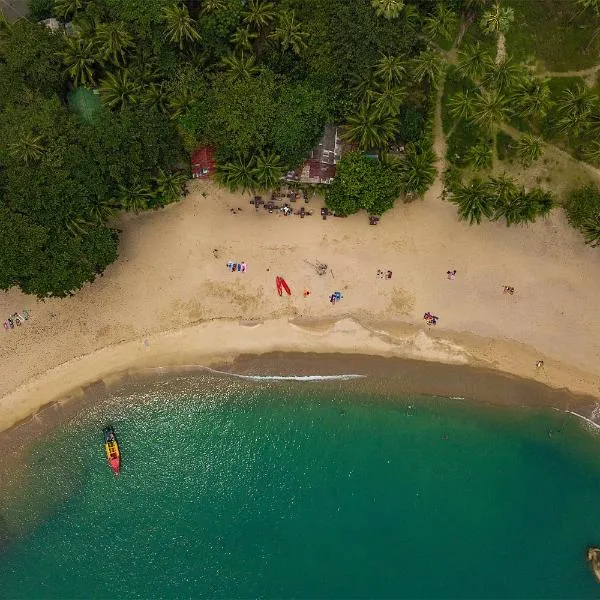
x,y
169,301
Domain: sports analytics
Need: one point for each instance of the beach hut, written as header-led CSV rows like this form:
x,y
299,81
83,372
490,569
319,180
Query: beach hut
x,y
203,162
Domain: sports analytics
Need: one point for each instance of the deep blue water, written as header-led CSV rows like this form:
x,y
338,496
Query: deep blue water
x,y
238,489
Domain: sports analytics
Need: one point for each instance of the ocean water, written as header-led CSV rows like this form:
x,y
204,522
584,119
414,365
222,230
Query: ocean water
x,y
277,489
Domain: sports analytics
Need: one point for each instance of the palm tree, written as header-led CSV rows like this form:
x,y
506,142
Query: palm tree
x,y
480,155
472,61
389,9
390,69
169,185
119,90
113,41
211,6
531,97
63,9
497,20
240,68
574,108
28,148
180,27
157,95
136,197
364,86
506,198
591,231
428,65
259,13
440,23
242,39
411,18
529,149
77,225
80,56
369,129
102,209
289,32
388,101
540,201
489,109
238,174
501,76
592,151
473,201
418,171
268,170
460,106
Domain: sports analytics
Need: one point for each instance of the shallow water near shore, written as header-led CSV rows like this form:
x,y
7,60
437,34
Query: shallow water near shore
x,y
334,489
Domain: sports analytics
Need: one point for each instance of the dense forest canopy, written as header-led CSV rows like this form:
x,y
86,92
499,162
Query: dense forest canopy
x,y
100,113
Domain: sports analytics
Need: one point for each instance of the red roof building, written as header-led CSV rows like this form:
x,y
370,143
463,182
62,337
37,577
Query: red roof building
x,y
203,162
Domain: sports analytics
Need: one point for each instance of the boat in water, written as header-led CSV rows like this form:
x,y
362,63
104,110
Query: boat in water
x,y
111,446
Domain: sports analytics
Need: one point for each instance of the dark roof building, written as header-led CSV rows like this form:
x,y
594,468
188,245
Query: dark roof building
x,y
320,166
203,162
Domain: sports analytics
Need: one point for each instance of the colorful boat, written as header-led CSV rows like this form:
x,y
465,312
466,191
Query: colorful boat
x,y
111,446
278,284
285,286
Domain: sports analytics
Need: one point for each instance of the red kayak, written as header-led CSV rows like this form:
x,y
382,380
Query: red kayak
x,y
285,286
278,284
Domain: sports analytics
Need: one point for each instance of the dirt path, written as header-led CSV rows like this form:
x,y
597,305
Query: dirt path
x,y
583,73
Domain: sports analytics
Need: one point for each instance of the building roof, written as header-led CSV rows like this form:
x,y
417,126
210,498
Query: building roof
x,y
203,162
329,149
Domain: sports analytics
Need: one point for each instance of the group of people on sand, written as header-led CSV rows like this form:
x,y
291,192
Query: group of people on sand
x,y
384,274
15,319
236,266
431,319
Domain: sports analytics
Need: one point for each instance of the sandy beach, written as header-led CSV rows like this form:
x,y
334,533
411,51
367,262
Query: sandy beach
x,y
170,300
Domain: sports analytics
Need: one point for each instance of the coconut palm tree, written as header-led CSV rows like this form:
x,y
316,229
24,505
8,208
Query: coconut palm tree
x,y
289,33
480,155
460,106
212,6
169,185
387,101
591,231
268,170
428,65
574,110
529,149
259,14
369,129
540,201
389,9
28,148
501,76
364,86
77,225
417,171
497,19
531,97
80,56
489,109
157,95
136,197
101,210
240,68
239,174
242,39
592,151
507,200
473,201
391,69
119,90
180,27
441,23
113,40
64,9
473,61
411,18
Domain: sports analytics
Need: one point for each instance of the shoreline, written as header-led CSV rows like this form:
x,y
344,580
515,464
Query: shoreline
x,y
438,363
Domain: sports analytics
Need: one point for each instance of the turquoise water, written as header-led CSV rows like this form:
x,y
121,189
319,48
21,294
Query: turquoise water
x,y
236,489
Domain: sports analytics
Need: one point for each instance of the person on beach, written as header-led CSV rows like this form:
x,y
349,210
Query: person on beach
x,y
451,274
539,364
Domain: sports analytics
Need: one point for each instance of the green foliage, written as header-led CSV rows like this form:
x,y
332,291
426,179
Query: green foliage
x,y
417,170
591,231
141,15
30,62
40,9
411,124
505,146
582,205
499,198
362,183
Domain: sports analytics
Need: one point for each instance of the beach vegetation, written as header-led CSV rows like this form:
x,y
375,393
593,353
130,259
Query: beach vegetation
x,y
363,183
583,206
